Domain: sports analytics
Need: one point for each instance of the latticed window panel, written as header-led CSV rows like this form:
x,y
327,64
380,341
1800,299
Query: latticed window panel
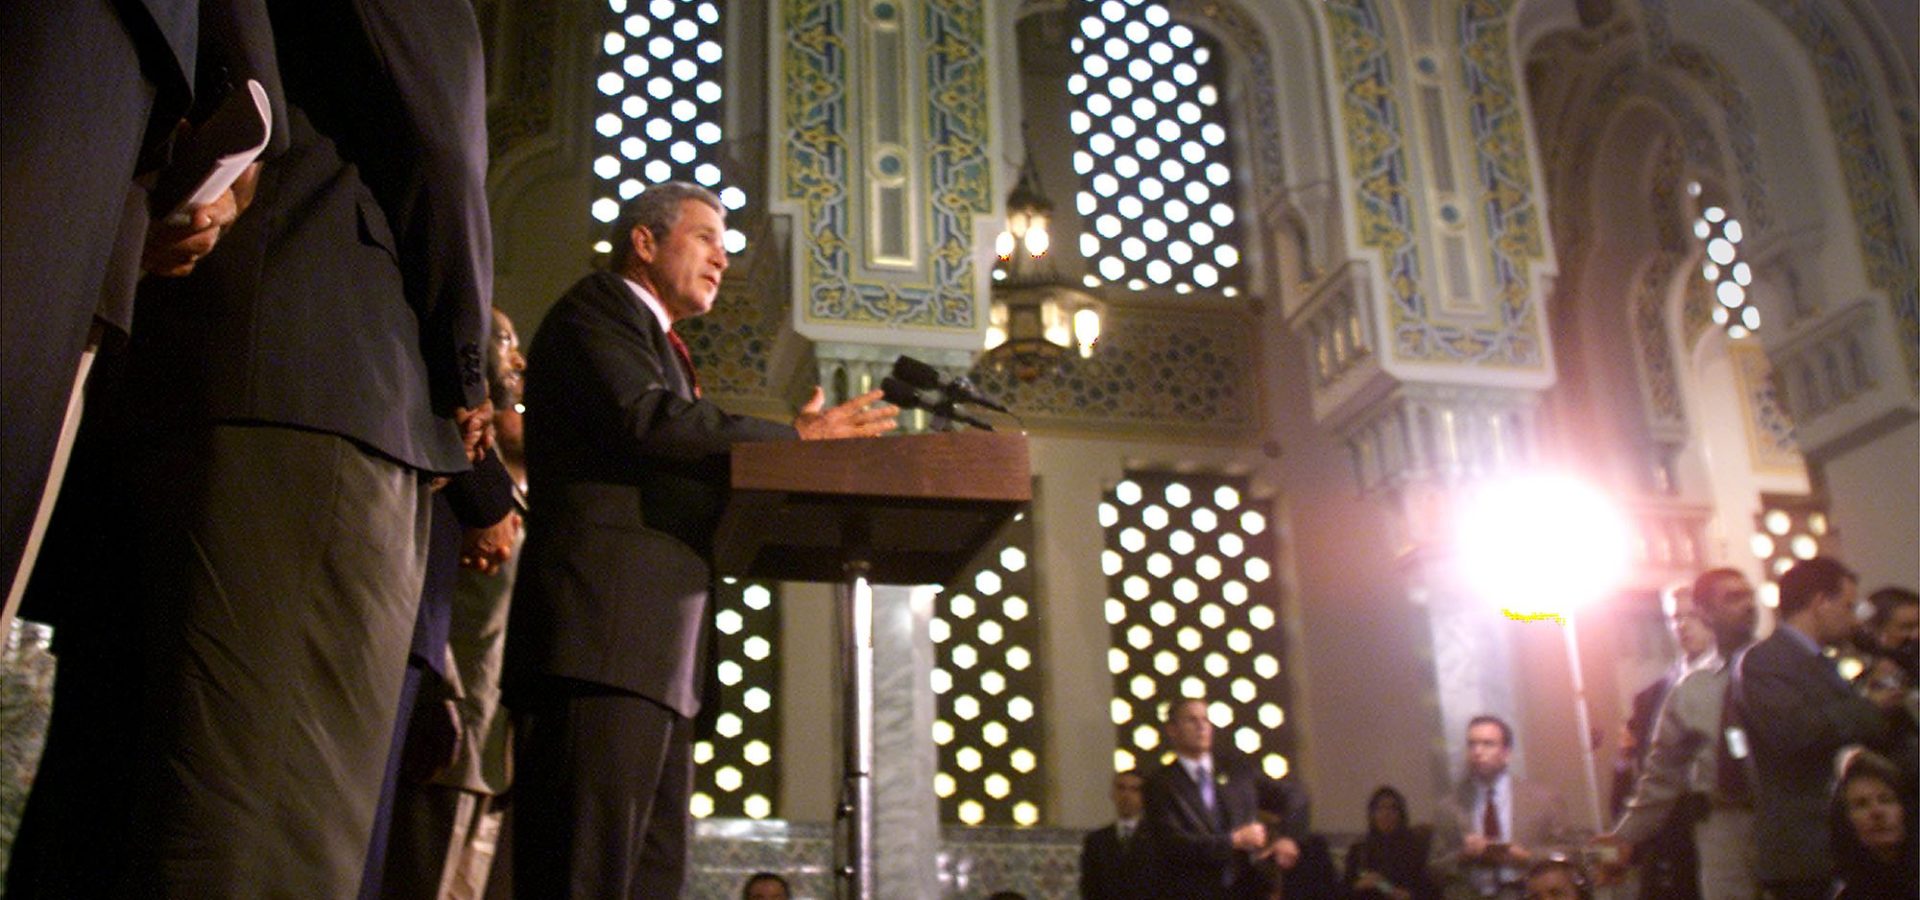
x,y
737,770
1193,609
1724,270
1157,198
1788,530
659,104
986,684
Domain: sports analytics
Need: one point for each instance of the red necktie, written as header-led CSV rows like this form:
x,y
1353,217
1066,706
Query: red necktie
x,y
1490,820
686,361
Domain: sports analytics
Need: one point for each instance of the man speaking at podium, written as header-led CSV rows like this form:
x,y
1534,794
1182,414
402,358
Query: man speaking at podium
x,y
627,477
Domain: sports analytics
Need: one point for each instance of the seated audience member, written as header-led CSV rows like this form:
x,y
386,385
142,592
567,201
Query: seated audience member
x,y
765,886
1557,878
1494,823
1873,834
1116,861
1391,861
1222,828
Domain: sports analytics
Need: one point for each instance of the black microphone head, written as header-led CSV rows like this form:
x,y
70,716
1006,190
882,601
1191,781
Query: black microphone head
x,y
900,393
916,373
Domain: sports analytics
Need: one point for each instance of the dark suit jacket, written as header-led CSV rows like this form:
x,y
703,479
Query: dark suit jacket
x,y
1196,855
1112,871
630,476
1798,712
90,90
353,297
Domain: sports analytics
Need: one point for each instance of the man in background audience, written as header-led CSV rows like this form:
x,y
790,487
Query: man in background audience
x,y
1221,827
1684,783
1494,824
1557,878
766,886
1799,713
1116,861
1666,860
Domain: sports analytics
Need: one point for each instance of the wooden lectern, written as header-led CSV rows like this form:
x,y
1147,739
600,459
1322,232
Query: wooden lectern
x,y
893,510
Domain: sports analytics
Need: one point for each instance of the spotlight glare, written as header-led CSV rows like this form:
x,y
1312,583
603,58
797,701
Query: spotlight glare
x,y
1541,546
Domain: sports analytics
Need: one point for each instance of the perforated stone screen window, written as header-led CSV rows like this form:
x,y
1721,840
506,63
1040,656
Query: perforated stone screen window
x,y
1192,607
737,771
1789,529
1156,164
1729,275
658,103
986,684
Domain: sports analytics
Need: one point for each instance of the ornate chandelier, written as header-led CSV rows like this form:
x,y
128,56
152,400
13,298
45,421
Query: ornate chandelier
x,y
1037,318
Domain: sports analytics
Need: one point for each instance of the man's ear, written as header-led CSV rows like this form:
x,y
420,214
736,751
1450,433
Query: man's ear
x,y
643,243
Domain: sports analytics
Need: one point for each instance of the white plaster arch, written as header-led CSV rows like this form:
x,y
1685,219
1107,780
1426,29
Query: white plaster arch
x,y
1623,248
1536,19
1797,153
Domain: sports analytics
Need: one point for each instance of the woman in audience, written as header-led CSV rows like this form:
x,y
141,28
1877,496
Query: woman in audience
x,y
1391,861
1873,835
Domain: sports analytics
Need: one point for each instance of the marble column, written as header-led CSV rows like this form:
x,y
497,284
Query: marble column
x,y
1474,670
906,813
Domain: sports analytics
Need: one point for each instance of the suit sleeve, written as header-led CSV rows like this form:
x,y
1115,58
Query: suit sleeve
x,y
430,180
1558,832
1664,775
482,495
1287,799
1171,831
1801,718
236,44
609,358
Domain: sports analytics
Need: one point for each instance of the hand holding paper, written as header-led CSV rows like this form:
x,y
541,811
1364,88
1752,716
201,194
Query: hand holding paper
x,y
209,183
174,245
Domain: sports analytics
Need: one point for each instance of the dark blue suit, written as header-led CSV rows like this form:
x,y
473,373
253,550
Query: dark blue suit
x,y
269,447
1195,844
1799,713
605,638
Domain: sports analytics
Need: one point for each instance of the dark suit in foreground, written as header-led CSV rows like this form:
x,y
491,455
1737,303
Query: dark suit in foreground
x,y
268,454
1195,848
87,88
1799,713
604,665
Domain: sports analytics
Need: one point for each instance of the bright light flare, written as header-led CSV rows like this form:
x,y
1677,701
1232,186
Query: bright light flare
x,y
1541,546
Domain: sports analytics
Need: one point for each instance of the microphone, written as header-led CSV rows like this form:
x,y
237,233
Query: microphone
x,y
916,373
926,377
901,394
962,390
906,396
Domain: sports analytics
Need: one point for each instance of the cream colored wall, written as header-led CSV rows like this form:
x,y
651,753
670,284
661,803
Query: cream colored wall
x,y
1875,491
